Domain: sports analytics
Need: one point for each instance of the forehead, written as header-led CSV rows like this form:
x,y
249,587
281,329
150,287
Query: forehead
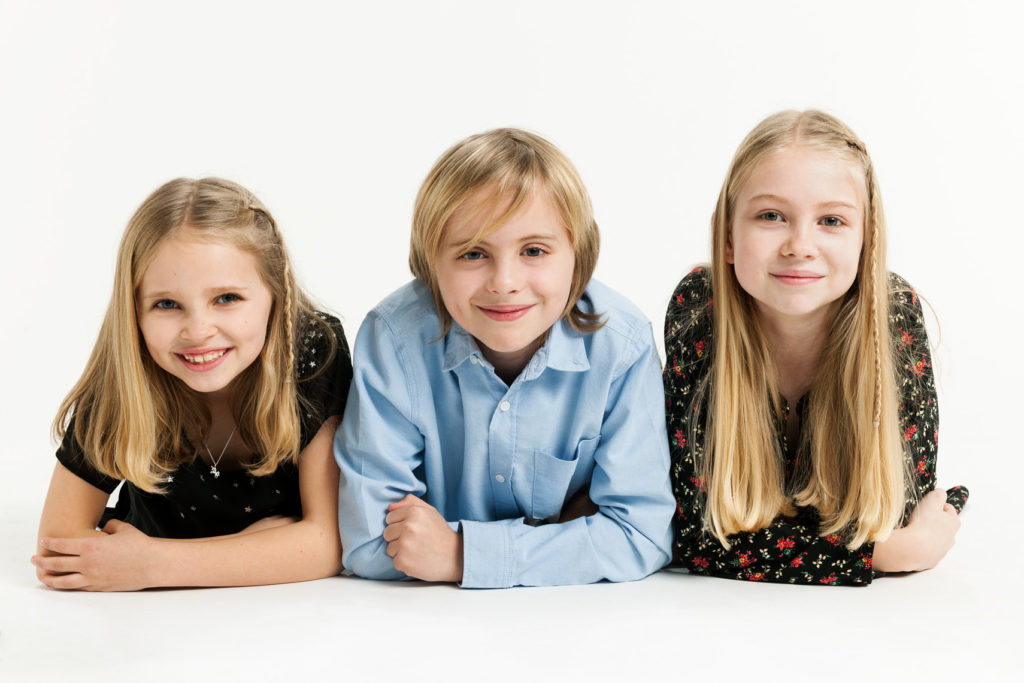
x,y
805,174
487,217
183,262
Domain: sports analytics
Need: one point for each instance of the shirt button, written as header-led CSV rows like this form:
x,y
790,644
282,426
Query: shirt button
x,y
504,405
500,478
474,360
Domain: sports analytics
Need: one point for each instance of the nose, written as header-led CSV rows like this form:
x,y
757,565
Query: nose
x,y
800,242
197,327
505,276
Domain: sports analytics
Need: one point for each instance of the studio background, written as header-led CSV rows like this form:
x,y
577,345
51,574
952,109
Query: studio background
x,y
332,114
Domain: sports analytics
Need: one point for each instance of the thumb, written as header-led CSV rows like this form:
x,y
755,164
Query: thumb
x,y
113,526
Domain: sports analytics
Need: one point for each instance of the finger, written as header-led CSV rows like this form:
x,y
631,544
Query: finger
x,y
392,550
948,508
409,500
391,533
64,546
59,563
113,526
65,581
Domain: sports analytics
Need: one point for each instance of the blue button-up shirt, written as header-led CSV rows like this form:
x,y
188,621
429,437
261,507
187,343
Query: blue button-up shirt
x,y
430,417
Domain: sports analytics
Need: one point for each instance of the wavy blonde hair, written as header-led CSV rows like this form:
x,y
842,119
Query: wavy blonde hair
x,y
509,163
130,417
857,474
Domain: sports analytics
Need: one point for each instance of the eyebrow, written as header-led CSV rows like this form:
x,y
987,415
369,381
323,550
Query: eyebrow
x,y
166,294
823,205
536,237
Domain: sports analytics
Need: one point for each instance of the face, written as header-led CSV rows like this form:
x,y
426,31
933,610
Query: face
x,y
203,309
509,289
797,233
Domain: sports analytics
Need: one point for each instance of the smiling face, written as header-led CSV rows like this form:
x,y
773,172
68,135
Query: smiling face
x,y
203,309
797,232
508,289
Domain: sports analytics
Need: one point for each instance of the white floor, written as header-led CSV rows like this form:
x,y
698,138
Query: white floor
x,y
956,623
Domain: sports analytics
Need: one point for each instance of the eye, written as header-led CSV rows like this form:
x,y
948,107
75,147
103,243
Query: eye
x,y
473,255
832,222
772,216
165,304
533,252
227,298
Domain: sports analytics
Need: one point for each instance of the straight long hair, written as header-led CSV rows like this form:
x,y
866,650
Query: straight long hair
x,y
856,474
131,419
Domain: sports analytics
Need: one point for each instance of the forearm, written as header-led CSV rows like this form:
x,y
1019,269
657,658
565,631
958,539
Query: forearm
x,y
301,551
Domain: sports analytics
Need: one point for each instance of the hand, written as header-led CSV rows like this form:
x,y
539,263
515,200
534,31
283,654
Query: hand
x,y
119,561
421,543
579,505
924,541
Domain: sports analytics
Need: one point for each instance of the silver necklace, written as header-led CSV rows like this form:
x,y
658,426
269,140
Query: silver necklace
x,y
213,468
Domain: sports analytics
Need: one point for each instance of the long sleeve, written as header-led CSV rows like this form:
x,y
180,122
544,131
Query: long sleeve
x,y
789,550
378,448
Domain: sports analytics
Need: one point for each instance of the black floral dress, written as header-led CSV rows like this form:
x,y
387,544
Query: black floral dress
x,y
790,550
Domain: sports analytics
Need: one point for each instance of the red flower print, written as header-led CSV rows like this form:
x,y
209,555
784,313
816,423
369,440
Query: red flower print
x,y
675,365
911,433
755,576
866,561
680,299
920,466
830,579
698,482
834,539
744,559
797,561
700,347
700,562
680,439
785,543
680,510
905,338
919,367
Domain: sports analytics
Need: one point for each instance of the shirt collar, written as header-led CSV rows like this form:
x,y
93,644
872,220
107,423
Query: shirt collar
x,y
563,350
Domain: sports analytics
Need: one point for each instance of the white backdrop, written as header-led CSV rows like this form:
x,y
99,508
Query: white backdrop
x,y
332,113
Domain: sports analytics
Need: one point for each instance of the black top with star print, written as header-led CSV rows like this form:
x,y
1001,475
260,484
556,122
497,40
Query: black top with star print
x,y
789,550
196,504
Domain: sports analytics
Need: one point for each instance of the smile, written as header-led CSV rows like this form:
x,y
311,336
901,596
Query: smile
x,y
505,313
797,277
201,362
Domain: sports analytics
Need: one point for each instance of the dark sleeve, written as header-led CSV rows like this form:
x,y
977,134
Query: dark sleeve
x,y
71,456
787,551
919,407
325,371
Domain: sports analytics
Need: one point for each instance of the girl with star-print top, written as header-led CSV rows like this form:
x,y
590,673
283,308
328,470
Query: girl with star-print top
x,y
213,392
801,409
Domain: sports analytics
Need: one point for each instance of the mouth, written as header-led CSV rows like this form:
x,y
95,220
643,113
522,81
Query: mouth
x,y
202,361
505,313
797,277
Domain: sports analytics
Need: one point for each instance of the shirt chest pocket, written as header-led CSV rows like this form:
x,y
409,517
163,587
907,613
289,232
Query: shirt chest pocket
x,y
550,480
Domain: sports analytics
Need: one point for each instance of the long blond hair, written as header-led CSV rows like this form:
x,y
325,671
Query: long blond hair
x,y
857,475
130,417
508,162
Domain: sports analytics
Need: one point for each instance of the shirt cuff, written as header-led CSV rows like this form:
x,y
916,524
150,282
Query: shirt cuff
x,y
487,559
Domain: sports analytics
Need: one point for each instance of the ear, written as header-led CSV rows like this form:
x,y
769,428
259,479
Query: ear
x,y
730,257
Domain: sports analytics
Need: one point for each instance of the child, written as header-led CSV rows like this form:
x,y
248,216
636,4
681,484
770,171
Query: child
x,y
801,406
501,388
213,391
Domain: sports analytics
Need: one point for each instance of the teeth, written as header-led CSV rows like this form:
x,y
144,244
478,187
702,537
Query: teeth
x,y
203,357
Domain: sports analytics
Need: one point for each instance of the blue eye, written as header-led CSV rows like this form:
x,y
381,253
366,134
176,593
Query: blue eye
x,y
533,252
472,255
227,298
166,304
773,216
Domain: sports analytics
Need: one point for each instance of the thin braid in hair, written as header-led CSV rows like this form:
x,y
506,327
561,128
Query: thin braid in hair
x,y
876,417
289,321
